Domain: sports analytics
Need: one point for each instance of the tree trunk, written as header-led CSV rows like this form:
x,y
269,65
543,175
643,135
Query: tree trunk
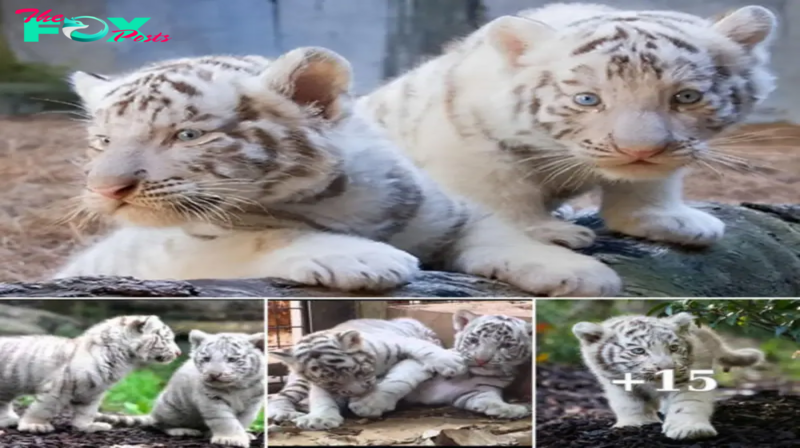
x,y
757,258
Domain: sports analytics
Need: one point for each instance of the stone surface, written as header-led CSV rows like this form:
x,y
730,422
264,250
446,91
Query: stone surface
x,y
17,321
757,258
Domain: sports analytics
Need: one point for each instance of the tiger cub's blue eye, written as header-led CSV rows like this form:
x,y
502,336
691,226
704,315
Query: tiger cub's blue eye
x,y
586,99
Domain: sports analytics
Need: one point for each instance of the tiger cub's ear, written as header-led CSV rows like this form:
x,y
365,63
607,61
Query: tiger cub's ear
x,y
462,318
749,26
141,323
588,333
196,337
257,340
683,321
350,339
90,87
285,356
315,77
514,36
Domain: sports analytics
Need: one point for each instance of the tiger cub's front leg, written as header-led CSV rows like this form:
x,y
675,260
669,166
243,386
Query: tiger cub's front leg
x,y
339,261
323,411
401,379
688,415
434,358
490,402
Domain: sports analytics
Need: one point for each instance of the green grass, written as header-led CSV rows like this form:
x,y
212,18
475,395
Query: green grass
x,y
136,393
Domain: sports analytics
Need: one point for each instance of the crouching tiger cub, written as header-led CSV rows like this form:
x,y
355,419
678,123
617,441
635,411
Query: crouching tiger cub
x,y
532,110
220,390
492,347
230,167
75,373
643,346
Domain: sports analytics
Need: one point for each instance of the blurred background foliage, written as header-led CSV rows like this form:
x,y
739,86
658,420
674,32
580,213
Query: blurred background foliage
x,y
773,325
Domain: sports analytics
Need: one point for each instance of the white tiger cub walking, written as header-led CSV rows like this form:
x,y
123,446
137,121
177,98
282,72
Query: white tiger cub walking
x,y
530,111
643,346
220,390
349,360
76,373
231,167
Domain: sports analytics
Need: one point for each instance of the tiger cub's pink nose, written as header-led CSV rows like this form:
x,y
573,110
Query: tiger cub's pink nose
x,y
117,188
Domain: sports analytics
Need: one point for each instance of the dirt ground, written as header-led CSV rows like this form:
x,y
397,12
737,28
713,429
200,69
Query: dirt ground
x,y
572,413
412,427
66,437
40,177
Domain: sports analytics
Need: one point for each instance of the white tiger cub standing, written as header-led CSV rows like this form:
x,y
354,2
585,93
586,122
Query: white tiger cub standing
x,y
230,167
533,110
75,373
643,346
494,347
344,364
220,390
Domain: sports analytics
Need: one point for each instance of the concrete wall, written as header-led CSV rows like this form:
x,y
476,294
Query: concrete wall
x,y
355,28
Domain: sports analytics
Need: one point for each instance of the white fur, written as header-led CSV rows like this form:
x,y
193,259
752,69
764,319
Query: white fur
x,y
455,138
338,261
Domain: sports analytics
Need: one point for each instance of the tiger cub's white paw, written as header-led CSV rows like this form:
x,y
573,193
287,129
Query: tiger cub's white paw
x,y
562,233
95,427
637,421
237,440
542,269
183,432
39,428
445,362
283,415
681,225
320,421
359,265
688,428
507,410
372,405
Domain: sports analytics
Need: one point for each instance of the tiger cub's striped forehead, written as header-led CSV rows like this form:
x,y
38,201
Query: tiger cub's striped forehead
x,y
500,325
203,89
496,327
327,349
642,330
638,48
232,344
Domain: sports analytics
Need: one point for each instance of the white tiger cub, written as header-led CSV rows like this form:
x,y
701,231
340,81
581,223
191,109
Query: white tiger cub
x,y
230,167
530,111
643,346
75,373
492,346
345,362
220,390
